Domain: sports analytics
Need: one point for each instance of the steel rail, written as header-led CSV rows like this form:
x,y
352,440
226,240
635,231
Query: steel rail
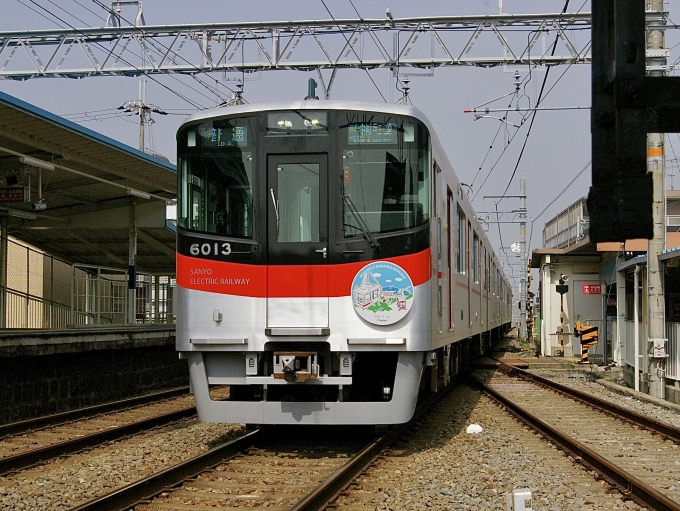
x,y
322,495
147,488
29,458
15,428
665,430
128,496
626,483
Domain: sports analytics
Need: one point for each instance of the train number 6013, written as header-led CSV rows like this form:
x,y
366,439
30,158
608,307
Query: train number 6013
x,y
210,249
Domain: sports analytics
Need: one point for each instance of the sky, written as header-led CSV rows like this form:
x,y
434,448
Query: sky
x,y
556,150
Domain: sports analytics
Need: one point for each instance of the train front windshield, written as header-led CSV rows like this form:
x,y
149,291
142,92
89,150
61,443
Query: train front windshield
x,y
320,175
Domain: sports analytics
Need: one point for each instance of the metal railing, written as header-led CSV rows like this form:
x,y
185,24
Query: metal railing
x,y
47,293
99,295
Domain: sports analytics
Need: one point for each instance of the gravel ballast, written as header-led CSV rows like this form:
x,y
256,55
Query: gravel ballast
x,y
443,467
66,483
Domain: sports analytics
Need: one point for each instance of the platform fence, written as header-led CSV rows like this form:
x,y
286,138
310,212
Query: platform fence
x,y
48,293
100,296
673,351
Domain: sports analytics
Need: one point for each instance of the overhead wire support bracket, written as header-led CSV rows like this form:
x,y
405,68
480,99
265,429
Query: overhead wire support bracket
x,y
179,49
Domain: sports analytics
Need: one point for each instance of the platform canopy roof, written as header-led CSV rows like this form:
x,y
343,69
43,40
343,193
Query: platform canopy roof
x,y
77,194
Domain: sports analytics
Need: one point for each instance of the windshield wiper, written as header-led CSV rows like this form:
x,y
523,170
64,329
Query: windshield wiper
x,y
364,228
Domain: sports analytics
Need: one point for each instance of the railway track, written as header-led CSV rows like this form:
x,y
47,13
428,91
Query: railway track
x,y
277,468
29,442
635,454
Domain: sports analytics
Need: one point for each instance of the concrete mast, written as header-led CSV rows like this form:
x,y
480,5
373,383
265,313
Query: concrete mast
x,y
656,165
523,252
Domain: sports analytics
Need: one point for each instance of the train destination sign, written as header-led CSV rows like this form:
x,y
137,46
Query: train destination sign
x,y
13,194
372,133
592,289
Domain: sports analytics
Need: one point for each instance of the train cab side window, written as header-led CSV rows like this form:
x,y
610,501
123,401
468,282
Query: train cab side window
x,y
216,178
385,173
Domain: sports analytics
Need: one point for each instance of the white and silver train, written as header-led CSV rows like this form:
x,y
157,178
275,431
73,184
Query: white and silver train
x,y
329,266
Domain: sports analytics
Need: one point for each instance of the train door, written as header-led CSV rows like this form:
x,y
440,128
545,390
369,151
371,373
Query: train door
x,y
297,241
469,273
449,250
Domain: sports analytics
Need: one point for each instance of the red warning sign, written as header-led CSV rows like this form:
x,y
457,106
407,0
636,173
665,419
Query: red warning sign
x,y
592,289
13,194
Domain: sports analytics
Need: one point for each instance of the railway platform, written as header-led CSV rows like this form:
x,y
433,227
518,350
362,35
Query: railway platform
x,y
87,267
50,371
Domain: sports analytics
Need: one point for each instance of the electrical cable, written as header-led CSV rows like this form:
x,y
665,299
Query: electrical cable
x,y
398,81
153,43
541,98
40,14
531,232
90,11
181,96
354,51
488,152
221,98
522,123
70,14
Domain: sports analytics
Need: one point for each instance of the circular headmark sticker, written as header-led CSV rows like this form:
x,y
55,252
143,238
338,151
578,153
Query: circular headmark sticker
x,y
382,293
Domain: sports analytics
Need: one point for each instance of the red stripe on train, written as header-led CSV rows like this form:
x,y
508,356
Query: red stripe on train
x,y
290,281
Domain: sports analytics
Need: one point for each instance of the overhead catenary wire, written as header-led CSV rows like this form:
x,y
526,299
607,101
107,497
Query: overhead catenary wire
x,y
40,14
90,10
398,81
511,139
531,232
541,98
67,12
154,44
354,51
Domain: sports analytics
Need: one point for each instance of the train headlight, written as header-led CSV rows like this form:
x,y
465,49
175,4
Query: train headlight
x,y
284,123
311,123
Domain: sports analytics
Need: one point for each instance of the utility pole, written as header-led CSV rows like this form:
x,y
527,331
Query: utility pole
x,y
142,109
514,217
523,254
656,166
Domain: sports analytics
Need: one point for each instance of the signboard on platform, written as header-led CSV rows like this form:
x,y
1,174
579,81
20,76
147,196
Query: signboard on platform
x,y
13,194
592,289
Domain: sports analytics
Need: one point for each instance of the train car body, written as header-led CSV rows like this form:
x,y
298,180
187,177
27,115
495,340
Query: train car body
x,y
326,258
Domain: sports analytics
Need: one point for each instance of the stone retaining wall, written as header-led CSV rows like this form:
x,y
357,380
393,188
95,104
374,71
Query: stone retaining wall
x,y
36,385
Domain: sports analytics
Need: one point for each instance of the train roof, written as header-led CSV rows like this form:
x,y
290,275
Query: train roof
x,y
310,104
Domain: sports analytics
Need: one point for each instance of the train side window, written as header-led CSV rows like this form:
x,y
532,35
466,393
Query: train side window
x,y
461,243
475,258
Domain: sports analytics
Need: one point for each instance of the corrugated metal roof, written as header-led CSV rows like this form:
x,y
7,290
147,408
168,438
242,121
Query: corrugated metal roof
x,y
88,188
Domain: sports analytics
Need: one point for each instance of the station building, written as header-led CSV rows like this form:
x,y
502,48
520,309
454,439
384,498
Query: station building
x,y
600,280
